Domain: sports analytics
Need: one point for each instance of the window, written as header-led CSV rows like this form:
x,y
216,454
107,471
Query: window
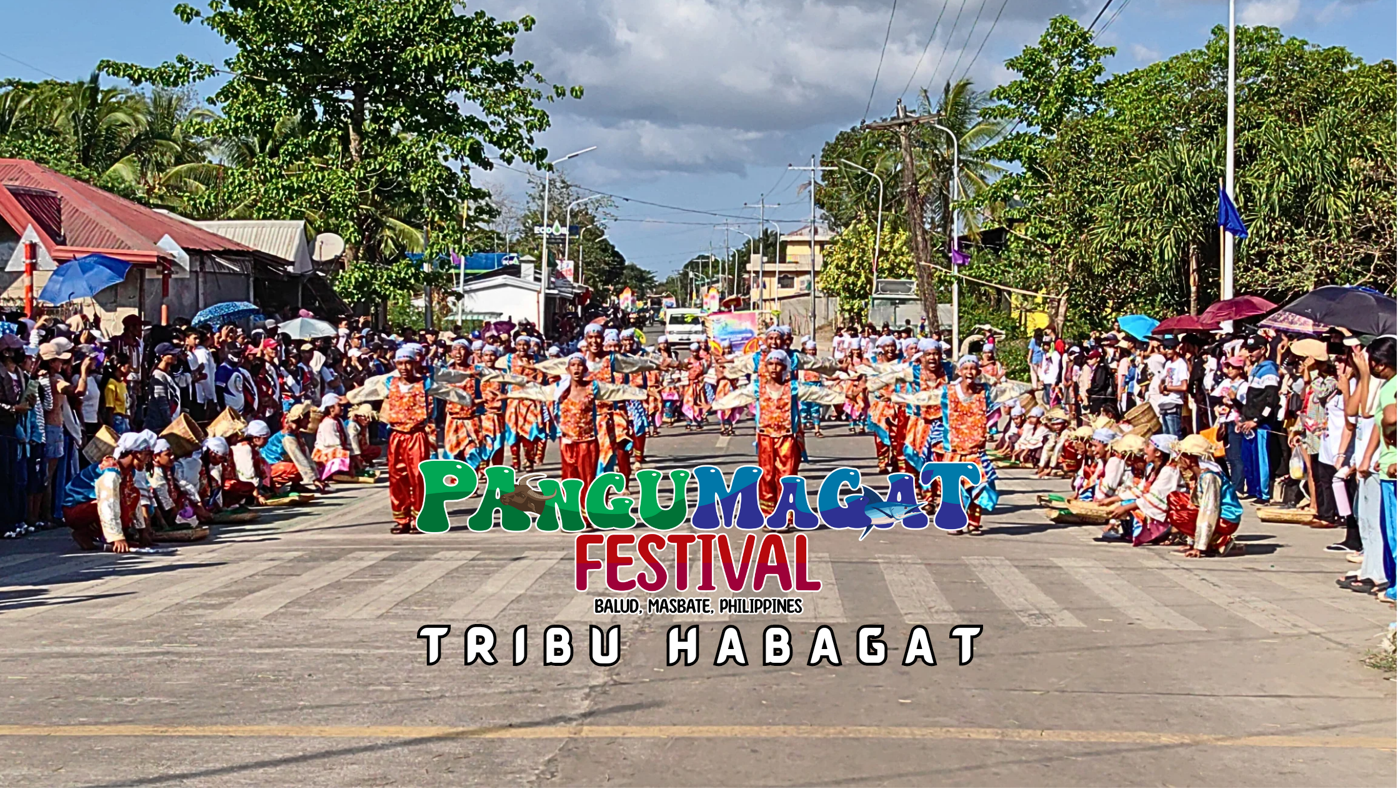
x,y
786,282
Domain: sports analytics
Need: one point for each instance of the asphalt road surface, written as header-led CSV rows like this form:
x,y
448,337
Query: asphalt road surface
x,y
284,652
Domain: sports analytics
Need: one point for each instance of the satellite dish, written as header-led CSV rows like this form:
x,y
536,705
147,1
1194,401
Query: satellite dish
x,y
327,247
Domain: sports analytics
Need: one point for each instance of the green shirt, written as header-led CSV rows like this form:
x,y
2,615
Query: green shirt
x,y
1386,454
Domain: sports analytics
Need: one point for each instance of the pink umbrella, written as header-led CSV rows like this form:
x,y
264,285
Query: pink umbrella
x,y
1184,324
1237,309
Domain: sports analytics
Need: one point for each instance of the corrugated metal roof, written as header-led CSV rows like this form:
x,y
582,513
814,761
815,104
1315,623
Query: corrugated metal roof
x,y
93,218
804,234
284,238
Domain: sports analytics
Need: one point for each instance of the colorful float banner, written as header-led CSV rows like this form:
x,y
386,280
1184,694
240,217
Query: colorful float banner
x,y
711,303
626,300
668,302
741,329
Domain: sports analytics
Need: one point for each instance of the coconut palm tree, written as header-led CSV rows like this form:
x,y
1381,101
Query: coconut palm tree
x,y
98,121
959,109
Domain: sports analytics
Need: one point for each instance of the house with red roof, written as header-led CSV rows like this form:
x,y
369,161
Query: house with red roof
x,y
174,263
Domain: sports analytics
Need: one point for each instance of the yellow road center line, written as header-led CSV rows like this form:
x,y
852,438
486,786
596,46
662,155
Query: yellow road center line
x,y
697,732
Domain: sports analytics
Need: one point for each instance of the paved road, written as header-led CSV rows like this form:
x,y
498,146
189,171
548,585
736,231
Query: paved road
x,y
284,652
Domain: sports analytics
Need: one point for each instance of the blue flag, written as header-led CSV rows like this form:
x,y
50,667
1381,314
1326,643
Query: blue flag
x,y
1229,218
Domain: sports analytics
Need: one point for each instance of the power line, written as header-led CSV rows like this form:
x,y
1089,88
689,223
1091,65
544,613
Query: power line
x,y
963,49
944,51
889,26
920,61
32,67
984,42
1106,4
636,200
1112,19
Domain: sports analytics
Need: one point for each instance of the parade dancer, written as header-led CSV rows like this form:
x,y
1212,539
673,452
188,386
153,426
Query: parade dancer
x,y
102,504
693,399
524,419
615,426
630,345
407,413
490,423
811,411
582,437
967,405
459,437
887,417
778,398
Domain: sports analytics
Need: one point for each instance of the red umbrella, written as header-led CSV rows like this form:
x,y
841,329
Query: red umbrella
x,y
1184,324
1237,309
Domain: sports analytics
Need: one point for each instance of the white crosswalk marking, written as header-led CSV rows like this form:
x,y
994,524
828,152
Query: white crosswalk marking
x,y
914,592
274,598
825,605
61,567
416,576
722,443
1028,602
77,593
502,588
147,605
1118,592
1263,614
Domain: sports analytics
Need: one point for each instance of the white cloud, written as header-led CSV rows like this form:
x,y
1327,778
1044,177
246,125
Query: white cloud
x,y
1144,54
718,85
1273,13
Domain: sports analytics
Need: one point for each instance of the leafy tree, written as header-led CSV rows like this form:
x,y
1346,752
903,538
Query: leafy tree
x,y
848,262
387,97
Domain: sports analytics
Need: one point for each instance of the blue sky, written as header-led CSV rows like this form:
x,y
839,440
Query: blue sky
x,y
702,104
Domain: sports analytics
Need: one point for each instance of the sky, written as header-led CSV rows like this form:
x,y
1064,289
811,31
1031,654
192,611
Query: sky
x,y
701,105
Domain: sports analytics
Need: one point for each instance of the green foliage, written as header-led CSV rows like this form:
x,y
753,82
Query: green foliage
x,y
1113,195
848,262
352,113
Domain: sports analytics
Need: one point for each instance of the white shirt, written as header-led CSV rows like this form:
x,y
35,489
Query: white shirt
x,y
1174,373
1050,368
204,390
92,398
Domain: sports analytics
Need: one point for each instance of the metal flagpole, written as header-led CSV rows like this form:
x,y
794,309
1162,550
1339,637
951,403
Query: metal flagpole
x,y
1227,266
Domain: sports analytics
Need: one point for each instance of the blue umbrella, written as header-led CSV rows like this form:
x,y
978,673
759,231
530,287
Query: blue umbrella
x,y
228,310
83,277
1138,326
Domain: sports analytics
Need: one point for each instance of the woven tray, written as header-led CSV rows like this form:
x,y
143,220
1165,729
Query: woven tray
x,y
288,500
1079,513
1271,514
184,535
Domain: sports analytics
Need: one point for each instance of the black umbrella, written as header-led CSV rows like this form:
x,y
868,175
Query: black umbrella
x,y
1359,310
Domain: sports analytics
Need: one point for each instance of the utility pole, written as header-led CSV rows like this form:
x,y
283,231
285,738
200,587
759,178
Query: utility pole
x,y
914,205
778,239
812,227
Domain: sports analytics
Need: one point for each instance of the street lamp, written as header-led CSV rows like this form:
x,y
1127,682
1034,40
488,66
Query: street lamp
x,y
544,238
752,244
952,267
568,213
879,217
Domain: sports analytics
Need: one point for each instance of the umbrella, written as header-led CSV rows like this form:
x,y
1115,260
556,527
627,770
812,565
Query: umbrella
x,y
1287,321
1138,326
306,328
1360,310
1237,309
84,277
1184,324
228,310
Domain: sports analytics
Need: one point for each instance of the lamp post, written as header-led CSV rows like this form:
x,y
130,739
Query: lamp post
x,y
544,238
568,213
879,217
952,198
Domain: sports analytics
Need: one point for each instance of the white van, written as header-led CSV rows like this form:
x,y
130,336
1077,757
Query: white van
x,y
684,326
